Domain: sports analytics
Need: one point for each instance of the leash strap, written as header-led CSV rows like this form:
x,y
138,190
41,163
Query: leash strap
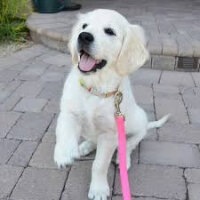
x,y
120,120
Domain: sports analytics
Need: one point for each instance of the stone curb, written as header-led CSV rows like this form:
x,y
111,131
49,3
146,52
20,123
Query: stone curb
x,y
164,52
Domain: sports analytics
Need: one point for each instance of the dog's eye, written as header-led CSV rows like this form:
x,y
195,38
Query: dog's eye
x,y
109,31
84,26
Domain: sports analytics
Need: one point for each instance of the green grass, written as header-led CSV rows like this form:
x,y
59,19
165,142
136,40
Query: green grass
x,y
13,14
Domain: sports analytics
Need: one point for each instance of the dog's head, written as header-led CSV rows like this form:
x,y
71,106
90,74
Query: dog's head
x,y
103,39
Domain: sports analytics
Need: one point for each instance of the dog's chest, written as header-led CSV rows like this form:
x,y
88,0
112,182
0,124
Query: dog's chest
x,y
97,117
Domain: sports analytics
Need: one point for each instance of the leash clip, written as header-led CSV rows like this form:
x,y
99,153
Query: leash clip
x,y
118,100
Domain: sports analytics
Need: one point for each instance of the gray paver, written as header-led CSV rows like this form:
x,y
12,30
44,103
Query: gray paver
x,y
7,119
52,90
30,105
163,62
43,157
51,76
194,191
143,94
39,184
194,114
23,154
155,181
139,198
196,77
180,133
173,106
79,180
192,175
29,89
7,148
59,60
143,76
176,78
166,153
32,73
10,103
31,126
53,106
8,178
8,75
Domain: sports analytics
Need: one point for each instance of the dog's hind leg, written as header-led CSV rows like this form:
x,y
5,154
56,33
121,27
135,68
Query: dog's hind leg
x,y
86,148
132,143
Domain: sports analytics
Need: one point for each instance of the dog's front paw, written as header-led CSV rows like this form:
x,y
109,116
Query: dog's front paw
x,y
65,154
99,191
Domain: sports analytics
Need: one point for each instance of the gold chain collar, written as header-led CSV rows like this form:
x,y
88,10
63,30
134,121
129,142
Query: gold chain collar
x,y
95,92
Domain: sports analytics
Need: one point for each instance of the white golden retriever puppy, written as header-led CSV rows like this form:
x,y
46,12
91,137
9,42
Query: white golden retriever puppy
x,y
105,48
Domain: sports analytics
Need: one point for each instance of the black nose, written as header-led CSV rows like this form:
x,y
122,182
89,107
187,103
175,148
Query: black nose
x,y
85,38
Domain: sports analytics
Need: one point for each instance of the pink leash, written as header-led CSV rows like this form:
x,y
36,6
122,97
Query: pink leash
x,y
120,120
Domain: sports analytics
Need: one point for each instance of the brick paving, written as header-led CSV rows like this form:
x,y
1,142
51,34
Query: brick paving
x,y
172,27
166,165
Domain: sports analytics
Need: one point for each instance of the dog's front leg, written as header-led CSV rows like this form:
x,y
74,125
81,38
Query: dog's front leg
x,y
67,136
99,188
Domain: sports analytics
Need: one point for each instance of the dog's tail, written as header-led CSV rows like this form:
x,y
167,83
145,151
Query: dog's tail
x,y
159,123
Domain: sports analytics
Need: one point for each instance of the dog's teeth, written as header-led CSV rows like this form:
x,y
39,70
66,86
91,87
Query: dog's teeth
x,y
98,61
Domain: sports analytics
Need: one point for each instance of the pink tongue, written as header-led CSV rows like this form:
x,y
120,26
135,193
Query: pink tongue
x,y
86,63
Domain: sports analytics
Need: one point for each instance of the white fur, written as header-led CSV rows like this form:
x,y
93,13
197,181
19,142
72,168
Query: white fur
x,y
83,114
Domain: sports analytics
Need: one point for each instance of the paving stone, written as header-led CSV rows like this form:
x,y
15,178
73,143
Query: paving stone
x,y
163,62
166,153
192,175
23,154
52,90
59,60
10,103
30,105
29,53
7,148
143,76
194,191
49,137
43,156
8,178
51,76
31,126
29,89
155,181
196,77
194,115
166,91
52,106
176,78
8,75
52,126
180,133
79,180
7,119
173,106
8,61
31,73
191,101
39,184
143,94
138,198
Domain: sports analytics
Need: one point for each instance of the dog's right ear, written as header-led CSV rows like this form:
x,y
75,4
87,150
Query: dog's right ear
x,y
73,40
133,53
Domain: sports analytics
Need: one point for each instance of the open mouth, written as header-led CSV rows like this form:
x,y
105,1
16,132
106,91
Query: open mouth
x,y
89,64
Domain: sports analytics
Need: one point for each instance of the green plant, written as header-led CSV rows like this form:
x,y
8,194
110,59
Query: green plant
x,y
13,15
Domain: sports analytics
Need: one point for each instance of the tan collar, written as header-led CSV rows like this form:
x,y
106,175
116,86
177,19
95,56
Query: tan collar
x,y
95,92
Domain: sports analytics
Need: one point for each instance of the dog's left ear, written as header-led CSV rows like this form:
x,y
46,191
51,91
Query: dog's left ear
x,y
73,40
133,53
